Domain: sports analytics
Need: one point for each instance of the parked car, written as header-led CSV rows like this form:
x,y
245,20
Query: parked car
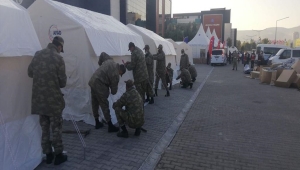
x,y
284,55
218,57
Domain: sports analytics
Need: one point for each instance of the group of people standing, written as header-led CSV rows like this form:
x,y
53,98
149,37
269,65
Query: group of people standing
x,y
47,69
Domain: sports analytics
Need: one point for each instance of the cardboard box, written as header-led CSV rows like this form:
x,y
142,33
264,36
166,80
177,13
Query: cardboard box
x,y
296,83
261,69
273,77
286,78
265,76
296,66
254,74
278,73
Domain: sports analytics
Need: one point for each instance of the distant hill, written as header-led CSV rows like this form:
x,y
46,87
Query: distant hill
x,y
282,33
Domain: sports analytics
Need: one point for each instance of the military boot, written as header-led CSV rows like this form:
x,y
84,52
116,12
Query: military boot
x,y
155,90
60,158
137,132
191,85
112,128
98,124
49,158
148,99
123,133
151,100
168,94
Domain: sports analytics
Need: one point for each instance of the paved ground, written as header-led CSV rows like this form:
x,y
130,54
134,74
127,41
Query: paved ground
x,y
237,123
107,151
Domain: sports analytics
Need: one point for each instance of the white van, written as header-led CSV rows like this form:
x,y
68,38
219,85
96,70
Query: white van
x,y
268,49
218,57
284,55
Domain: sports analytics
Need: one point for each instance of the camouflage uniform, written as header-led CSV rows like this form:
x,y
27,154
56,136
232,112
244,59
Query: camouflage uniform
x,y
234,60
193,72
133,115
103,57
105,77
47,69
150,67
169,76
184,61
140,73
160,69
185,77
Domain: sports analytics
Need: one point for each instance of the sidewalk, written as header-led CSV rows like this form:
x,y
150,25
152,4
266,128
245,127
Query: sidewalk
x,y
237,123
107,151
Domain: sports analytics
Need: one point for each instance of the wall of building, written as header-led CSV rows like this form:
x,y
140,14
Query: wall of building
x,y
227,31
151,16
115,9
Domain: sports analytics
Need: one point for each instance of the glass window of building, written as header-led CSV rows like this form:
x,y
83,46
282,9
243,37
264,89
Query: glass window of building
x,y
136,12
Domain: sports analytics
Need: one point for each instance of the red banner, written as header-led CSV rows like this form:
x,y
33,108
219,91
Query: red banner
x,y
211,44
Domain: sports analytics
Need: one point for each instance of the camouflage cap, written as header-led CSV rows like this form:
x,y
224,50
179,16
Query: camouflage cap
x,y
60,40
129,83
160,46
146,47
131,44
122,68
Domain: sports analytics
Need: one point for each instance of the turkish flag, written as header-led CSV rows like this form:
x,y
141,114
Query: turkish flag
x,y
219,45
211,44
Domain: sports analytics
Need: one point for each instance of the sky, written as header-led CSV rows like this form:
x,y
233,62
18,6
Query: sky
x,y
248,14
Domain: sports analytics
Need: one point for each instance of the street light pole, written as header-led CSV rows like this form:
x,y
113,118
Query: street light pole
x,y
276,27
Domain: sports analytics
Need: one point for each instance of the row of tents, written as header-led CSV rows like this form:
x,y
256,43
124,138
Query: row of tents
x,y
86,35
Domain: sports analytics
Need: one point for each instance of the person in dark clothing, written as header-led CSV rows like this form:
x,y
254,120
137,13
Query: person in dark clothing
x,y
252,59
229,58
208,58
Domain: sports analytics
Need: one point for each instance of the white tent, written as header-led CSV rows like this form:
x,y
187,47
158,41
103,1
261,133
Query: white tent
x,y
20,132
187,49
153,40
208,33
216,39
86,35
199,43
178,52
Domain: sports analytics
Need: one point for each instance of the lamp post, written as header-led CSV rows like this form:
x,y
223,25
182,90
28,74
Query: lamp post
x,y
276,27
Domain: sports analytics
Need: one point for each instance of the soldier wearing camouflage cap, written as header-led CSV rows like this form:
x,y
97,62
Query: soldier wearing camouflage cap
x,y
139,69
47,69
185,77
160,69
133,115
184,60
193,72
169,75
150,69
106,77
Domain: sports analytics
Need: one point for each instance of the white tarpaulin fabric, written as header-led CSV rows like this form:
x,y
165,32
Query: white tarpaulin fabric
x,y
17,35
86,35
20,132
216,41
188,50
153,40
208,33
199,42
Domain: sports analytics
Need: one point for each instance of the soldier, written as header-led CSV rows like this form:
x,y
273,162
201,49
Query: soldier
x,y
234,60
193,72
184,60
169,75
133,115
150,67
140,73
47,69
160,69
185,77
103,57
105,77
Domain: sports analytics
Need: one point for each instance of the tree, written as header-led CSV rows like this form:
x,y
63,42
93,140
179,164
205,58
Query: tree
x,y
265,41
243,48
229,42
238,44
178,31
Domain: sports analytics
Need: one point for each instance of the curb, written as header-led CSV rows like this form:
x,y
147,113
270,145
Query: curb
x,y
156,153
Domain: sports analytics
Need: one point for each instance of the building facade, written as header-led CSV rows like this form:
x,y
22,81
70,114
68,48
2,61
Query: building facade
x,y
186,18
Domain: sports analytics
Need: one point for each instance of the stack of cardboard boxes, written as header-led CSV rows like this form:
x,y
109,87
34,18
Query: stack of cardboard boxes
x,y
279,77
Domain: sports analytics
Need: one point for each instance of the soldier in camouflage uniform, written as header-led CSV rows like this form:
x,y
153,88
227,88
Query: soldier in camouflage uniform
x,y
133,115
161,69
106,77
184,60
193,72
47,69
140,73
150,68
185,77
103,57
234,60
169,75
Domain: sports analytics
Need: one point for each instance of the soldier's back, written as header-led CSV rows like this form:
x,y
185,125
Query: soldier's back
x,y
135,107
